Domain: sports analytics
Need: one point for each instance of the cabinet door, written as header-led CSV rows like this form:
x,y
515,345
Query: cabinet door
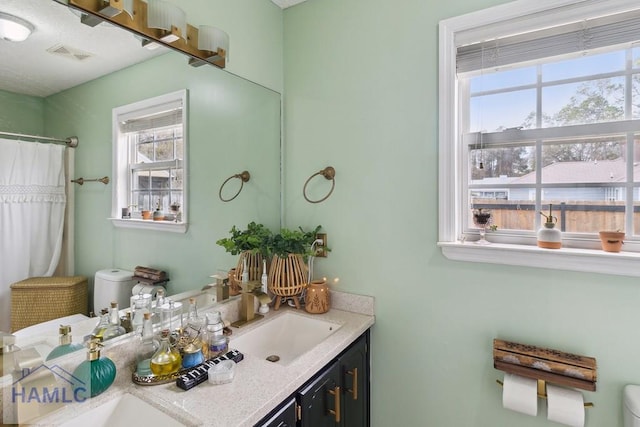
x,y
285,416
354,368
320,400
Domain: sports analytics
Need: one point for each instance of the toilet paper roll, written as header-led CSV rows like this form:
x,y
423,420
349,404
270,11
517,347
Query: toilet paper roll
x,y
520,394
565,406
143,288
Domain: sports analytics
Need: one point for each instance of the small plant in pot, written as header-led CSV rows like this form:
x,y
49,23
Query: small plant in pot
x,y
253,246
290,250
612,240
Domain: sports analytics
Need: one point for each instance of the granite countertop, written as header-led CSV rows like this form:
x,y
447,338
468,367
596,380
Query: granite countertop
x,y
258,387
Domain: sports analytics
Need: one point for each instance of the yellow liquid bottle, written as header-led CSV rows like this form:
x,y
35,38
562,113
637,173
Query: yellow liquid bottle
x,y
166,360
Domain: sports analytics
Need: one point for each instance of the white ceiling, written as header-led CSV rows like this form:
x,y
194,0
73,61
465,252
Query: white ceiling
x,y
26,67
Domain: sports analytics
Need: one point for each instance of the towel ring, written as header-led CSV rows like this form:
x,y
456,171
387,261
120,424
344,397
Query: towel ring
x,y
329,173
245,176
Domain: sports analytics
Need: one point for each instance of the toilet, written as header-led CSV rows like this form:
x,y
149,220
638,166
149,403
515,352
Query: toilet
x,y
112,284
631,405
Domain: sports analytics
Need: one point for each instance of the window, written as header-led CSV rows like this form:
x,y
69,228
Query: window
x,y
539,106
150,146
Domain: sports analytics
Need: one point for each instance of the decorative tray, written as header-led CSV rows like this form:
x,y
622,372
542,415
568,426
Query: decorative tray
x,y
234,355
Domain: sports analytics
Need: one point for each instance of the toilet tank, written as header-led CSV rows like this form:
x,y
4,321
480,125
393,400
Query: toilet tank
x,y
112,284
631,405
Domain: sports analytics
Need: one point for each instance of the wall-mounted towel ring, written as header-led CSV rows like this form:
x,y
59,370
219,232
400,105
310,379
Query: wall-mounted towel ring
x,y
80,181
329,173
244,177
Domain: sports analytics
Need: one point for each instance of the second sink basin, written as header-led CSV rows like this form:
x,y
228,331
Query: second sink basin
x,y
124,410
284,338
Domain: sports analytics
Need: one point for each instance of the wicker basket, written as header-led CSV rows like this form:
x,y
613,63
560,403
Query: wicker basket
x,y
39,299
287,277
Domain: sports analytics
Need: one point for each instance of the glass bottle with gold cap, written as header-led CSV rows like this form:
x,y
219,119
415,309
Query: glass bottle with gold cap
x,y
96,373
166,360
66,343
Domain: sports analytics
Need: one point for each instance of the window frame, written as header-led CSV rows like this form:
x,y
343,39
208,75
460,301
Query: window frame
x,y
522,15
121,190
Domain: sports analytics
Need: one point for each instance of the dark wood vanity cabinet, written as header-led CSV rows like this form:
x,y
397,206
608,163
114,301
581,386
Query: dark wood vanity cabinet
x,y
338,395
284,416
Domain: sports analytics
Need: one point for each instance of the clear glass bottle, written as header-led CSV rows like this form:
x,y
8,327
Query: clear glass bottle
x,y
216,343
171,316
160,301
66,343
114,329
166,360
193,337
192,316
148,346
102,325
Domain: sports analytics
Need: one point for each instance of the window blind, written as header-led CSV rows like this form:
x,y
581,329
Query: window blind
x,y
583,36
150,118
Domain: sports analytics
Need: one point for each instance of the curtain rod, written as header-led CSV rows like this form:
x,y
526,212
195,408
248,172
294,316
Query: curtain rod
x,y
72,141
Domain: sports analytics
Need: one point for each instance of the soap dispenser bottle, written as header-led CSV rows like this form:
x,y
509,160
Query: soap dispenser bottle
x,y
96,373
66,343
548,236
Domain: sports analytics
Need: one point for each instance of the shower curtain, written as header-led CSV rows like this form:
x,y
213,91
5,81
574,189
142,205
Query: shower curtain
x,y
32,206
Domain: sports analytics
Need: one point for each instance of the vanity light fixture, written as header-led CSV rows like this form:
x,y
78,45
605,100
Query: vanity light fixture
x,y
160,23
150,44
169,18
214,42
108,8
14,29
112,8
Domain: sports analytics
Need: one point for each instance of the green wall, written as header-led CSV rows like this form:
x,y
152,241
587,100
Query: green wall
x,y
233,125
255,33
360,94
21,113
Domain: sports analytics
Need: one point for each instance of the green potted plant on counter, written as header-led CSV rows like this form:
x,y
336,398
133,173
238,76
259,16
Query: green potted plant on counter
x,y
290,250
252,244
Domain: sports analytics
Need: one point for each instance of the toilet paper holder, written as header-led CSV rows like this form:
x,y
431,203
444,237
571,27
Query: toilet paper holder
x,y
545,365
542,391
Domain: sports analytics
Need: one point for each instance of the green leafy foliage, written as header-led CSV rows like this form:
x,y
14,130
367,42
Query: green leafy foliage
x,y
255,238
293,242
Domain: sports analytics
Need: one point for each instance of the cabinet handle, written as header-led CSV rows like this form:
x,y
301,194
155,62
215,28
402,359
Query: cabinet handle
x,y
354,390
336,402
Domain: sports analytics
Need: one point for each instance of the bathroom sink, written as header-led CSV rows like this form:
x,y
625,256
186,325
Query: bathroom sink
x,y
284,338
123,410
204,298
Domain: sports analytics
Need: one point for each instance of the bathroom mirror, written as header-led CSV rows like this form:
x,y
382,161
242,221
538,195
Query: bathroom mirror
x,y
233,125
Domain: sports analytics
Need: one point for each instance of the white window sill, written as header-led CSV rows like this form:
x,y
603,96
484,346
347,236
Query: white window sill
x,y
583,260
174,227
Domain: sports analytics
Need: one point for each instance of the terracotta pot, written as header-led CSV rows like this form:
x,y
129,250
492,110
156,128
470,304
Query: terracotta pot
x,y
612,240
146,214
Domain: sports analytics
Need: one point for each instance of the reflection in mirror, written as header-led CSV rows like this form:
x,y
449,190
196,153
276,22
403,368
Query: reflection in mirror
x,y
234,125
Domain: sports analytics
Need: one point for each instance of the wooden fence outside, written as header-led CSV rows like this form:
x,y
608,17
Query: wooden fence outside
x,y
576,217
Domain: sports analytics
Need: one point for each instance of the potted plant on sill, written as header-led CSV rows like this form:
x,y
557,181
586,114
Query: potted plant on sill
x,y
252,245
612,240
290,250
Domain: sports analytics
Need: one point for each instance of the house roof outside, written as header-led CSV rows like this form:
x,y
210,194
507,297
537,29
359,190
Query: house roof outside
x,y
572,172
